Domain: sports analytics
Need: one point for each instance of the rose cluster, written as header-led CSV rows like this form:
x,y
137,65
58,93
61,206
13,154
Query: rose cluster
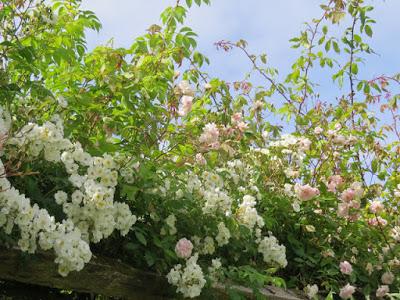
x,y
90,210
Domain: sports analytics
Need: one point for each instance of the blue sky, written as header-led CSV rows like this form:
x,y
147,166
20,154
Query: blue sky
x,y
267,25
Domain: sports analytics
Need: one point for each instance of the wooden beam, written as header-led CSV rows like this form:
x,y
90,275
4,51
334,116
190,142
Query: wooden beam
x,y
105,276
100,276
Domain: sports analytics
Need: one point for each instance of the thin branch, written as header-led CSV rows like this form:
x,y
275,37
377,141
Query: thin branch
x,y
351,79
314,32
262,73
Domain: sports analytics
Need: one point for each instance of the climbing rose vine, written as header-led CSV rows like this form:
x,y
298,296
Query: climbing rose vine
x,y
140,155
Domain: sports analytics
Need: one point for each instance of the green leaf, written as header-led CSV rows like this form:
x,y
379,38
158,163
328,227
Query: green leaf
x,y
328,45
368,30
374,165
360,85
330,296
263,58
150,259
278,281
382,175
357,38
131,247
354,68
367,88
336,47
141,238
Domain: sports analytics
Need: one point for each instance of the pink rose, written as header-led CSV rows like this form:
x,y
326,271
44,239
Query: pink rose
x,y
227,130
334,182
200,159
304,144
318,130
376,207
331,133
346,268
347,291
354,204
185,88
343,210
246,87
210,134
382,291
358,189
305,192
258,105
183,248
348,195
332,187
377,221
387,278
236,117
353,217
242,126
215,145
187,102
339,139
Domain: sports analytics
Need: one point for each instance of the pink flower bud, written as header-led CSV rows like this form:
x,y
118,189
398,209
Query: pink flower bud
x,y
346,268
183,248
177,74
236,118
318,130
258,105
382,291
387,278
347,291
207,86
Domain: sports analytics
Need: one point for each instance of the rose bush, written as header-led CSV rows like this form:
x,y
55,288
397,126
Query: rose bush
x,y
138,154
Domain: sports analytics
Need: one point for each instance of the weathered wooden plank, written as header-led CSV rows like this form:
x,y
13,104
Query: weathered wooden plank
x,y
270,293
104,276
101,276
